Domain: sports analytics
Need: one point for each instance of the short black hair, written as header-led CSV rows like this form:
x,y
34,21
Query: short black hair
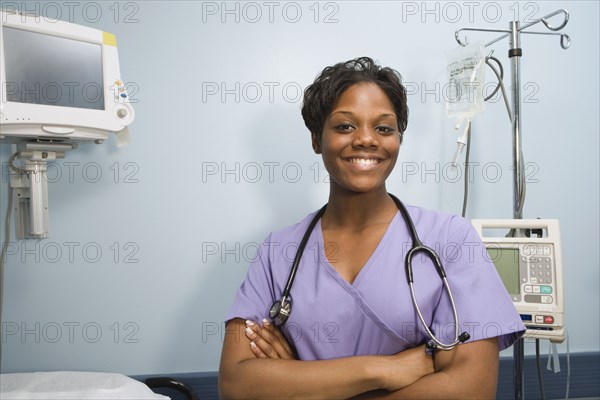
x,y
323,94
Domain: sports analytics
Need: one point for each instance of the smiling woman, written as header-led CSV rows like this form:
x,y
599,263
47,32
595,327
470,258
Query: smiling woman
x,y
360,140
354,332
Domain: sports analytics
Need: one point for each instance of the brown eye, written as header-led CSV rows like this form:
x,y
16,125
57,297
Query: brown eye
x,y
344,127
386,129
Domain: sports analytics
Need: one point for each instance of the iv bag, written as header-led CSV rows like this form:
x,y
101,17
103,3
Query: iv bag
x,y
466,75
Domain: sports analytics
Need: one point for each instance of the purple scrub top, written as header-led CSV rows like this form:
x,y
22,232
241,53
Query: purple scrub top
x,y
375,314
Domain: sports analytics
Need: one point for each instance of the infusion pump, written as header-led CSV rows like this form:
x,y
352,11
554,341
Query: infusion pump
x,y
530,266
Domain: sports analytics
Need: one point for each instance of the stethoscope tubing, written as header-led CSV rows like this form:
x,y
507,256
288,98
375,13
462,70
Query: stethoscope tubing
x,y
281,309
290,282
434,339
419,247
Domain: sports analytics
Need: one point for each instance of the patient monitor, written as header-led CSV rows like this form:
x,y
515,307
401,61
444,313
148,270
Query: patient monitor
x,y
61,85
60,81
531,269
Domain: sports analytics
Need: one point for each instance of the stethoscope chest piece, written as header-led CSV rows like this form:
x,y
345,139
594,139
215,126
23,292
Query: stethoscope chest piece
x,y
279,313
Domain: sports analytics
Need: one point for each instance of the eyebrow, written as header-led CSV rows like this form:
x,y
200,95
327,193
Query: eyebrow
x,y
351,113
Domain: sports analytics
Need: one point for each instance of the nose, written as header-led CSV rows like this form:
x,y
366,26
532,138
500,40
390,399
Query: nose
x,y
364,137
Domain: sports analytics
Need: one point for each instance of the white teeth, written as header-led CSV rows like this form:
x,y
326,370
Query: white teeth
x,y
363,161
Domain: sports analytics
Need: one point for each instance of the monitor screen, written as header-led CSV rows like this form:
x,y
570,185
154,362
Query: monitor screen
x,y
507,265
52,70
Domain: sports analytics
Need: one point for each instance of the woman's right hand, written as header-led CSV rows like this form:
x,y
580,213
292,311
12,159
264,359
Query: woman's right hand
x,y
267,341
404,368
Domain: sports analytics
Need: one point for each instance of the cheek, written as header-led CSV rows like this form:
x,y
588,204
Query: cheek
x,y
329,162
329,148
329,155
393,147
393,163
394,151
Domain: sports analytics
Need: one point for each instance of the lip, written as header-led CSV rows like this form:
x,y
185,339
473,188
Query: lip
x,y
363,162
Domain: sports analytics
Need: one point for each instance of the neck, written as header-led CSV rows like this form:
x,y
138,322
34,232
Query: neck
x,y
358,210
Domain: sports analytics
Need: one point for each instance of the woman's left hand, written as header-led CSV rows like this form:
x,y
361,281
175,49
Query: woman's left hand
x,y
267,341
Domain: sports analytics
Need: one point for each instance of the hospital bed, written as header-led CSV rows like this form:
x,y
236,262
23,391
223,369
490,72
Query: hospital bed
x,y
78,385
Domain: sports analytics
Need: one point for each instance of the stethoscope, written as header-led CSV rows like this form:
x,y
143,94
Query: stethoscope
x,y
281,309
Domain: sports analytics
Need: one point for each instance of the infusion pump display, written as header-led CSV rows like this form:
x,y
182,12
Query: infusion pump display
x,y
531,269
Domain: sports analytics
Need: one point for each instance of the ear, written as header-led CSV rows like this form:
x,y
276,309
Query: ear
x,y
316,145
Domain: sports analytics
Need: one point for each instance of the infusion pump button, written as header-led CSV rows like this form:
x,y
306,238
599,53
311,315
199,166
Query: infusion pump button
x,y
546,289
528,288
546,299
533,298
544,319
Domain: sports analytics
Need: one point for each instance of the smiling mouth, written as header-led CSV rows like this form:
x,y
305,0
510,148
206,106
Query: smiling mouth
x,y
364,164
364,161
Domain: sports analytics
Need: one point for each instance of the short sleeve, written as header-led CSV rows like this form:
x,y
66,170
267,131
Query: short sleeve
x,y
255,296
483,306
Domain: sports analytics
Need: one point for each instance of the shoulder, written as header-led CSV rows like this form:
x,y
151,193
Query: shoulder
x,y
283,242
443,224
294,231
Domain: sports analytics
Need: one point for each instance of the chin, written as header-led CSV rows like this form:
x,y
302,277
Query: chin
x,y
360,189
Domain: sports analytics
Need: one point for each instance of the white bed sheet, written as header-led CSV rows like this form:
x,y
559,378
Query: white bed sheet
x,y
65,385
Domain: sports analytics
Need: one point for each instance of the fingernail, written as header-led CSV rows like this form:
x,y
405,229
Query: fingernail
x,y
249,323
249,331
266,322
253,345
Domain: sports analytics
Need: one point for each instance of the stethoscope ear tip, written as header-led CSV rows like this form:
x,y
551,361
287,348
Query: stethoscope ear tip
x,y
430,345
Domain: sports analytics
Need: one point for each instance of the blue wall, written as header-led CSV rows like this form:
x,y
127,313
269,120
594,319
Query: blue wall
x,y
148,243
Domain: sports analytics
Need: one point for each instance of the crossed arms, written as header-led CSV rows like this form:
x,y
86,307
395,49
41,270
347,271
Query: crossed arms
x,y
257,362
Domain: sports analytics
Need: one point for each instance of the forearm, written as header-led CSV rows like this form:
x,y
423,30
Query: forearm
x,y
440,385
470,371
246,373
290,379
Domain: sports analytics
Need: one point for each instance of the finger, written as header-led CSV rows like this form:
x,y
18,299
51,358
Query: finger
x,y
253,328
265,347
279,341
250,329
273,336
257,352
255,334
277,332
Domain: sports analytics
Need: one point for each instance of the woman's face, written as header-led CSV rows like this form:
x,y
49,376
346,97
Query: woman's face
x,y
360,140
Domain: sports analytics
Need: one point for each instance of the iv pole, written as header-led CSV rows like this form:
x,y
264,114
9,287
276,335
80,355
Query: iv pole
x,y
514,53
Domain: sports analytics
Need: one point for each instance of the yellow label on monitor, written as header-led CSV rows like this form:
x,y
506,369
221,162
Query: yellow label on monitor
x,y
109,39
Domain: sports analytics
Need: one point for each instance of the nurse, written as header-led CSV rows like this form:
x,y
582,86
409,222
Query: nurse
x,y
354,331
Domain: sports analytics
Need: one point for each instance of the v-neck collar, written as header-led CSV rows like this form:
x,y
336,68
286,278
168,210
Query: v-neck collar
x,y
368,264
354,289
